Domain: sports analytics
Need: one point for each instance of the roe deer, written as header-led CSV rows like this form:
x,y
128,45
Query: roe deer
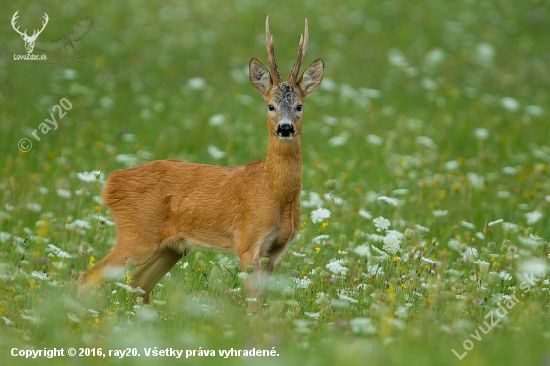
x,y
164,207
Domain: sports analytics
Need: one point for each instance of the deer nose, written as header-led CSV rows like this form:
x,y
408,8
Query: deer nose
x,y
285,130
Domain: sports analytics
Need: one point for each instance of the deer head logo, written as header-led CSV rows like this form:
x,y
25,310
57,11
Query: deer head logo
x,y
29,40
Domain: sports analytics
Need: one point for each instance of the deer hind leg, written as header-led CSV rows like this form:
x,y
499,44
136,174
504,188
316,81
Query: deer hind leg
x,y
138,251
152,271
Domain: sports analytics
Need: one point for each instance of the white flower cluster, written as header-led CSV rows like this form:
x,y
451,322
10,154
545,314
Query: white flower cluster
x,y
391,243
320,215
381,223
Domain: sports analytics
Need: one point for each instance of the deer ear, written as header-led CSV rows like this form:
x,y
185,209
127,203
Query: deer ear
x,y
259,76
311,78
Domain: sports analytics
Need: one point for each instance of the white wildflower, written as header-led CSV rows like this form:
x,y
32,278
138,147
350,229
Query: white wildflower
x,y
375,140
400,192
4,236
128,159
196,83
40,275
379,252
130,289
485,54
362,250
347,298
362,326
381,223
390,200
402,312
88,177
495,222
440,213
535,237
335,266
243,275
391,243
509,226
7,321
313,315
339,140
483,266
365,214
375,269
509,170
302,282
505,275
227,262
533,217
503,194
510,104
481,133
535,266
72,317
216,153
468,225
334,199
147,313
471,253
59,265
64,193
327,85
320,239
319,215
57,251
534,110
426,142
78,224
129,137
331,121
216,120
422,228
94,313
434,57
429,84
314,200
34,207
477,181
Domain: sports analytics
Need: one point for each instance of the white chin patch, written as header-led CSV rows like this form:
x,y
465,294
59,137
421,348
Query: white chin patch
x,y
285,137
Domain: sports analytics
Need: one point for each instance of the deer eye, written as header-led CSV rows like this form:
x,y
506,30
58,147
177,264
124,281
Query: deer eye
x,y
271,108
299,107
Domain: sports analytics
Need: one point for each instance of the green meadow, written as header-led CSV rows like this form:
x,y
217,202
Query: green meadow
x,y
428,142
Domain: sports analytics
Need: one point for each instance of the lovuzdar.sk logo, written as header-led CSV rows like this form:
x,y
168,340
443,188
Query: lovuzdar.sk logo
x,y
67,45
30,41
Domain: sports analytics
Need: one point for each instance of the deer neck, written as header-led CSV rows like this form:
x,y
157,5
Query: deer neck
x,y
283,168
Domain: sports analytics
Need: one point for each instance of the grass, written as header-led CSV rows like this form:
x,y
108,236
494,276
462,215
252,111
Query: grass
x,y
441,106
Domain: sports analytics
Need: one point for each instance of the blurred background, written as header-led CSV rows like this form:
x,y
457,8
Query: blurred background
x,y
446,101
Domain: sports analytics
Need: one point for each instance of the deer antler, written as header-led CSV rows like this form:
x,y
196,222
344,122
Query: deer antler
x,y
24,34
13,20
43,26
302,48
275,76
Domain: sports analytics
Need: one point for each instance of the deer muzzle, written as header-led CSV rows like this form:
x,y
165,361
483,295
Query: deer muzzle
x,y
285,130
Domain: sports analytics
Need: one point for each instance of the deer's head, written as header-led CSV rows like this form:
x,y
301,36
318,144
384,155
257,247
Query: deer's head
x,y
29,40
285,99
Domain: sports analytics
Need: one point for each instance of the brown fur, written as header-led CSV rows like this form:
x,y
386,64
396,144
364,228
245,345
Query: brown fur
x,y
163,208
